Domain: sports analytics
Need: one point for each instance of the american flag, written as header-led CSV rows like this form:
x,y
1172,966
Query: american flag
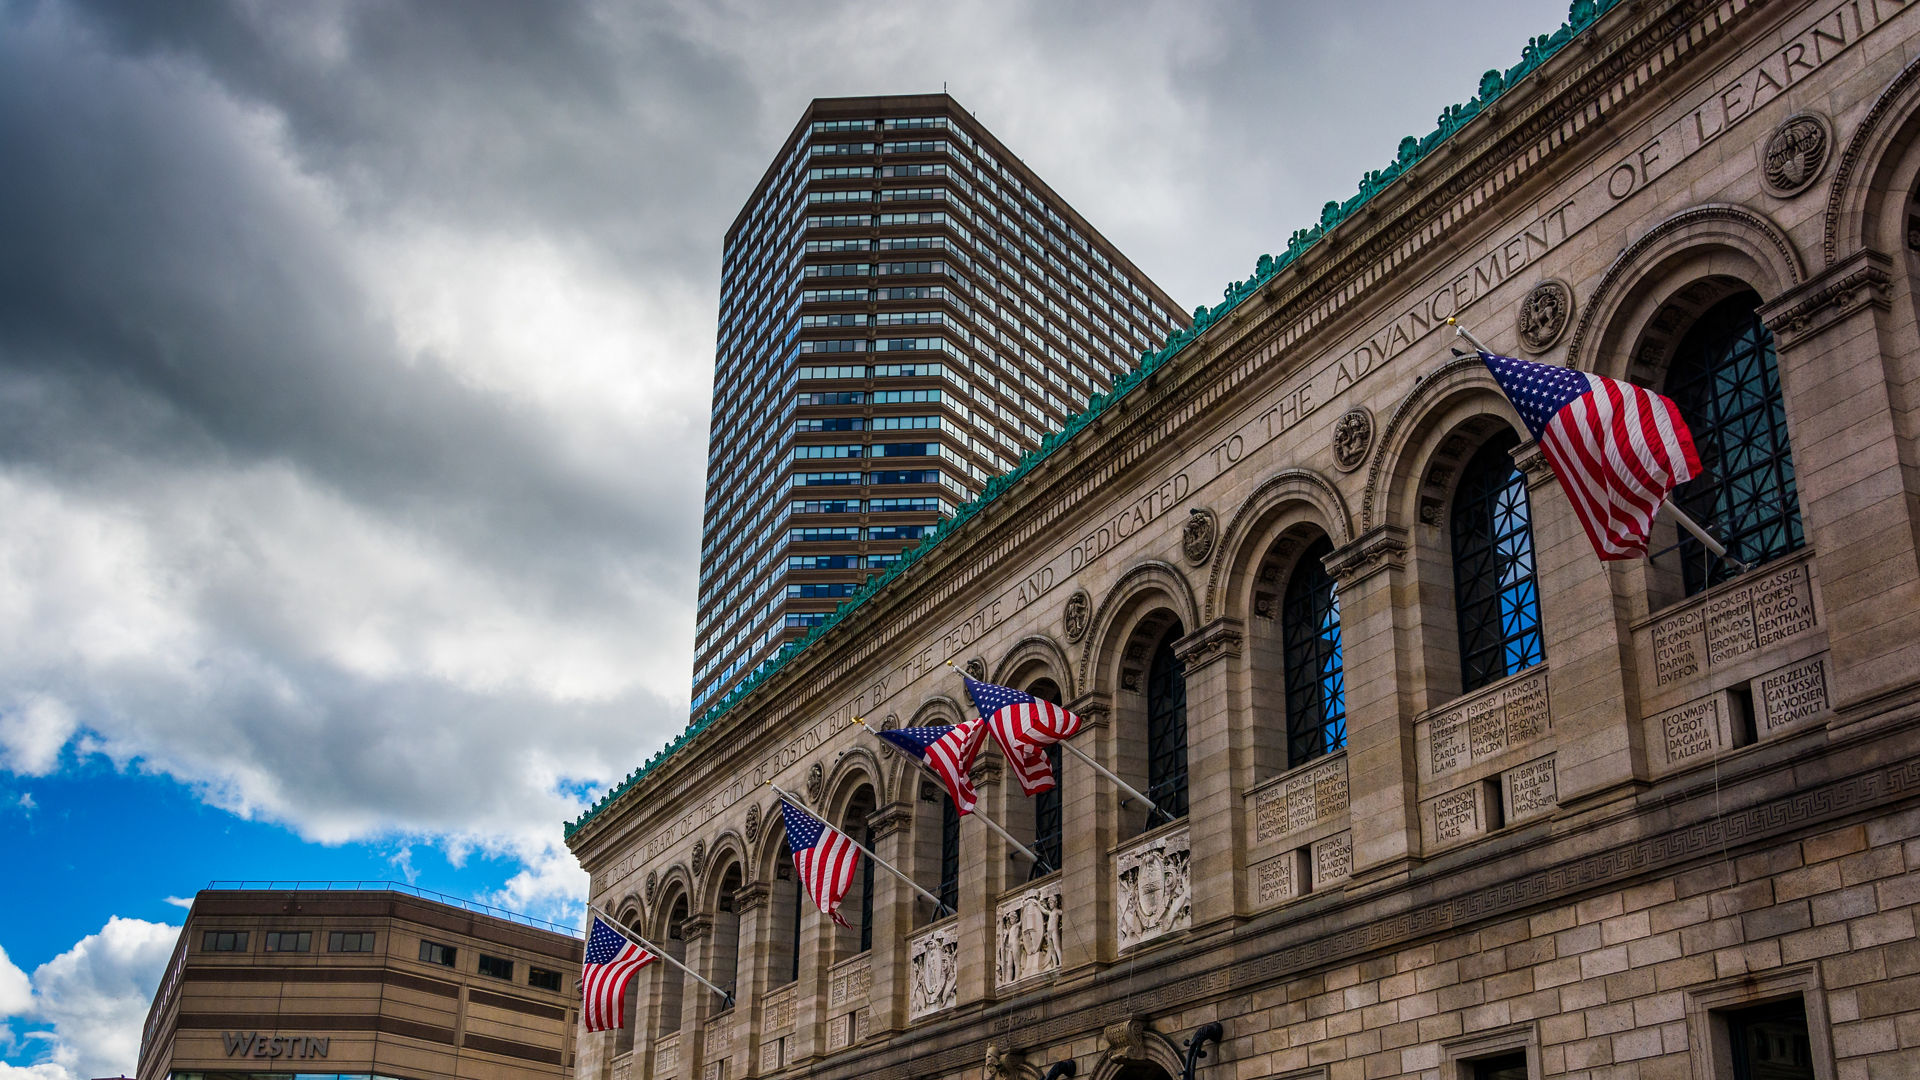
x,y
611,962
1024,726
1617,449
949,750
824,856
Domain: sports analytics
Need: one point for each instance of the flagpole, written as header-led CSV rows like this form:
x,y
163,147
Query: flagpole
x,y
1122,784
938,905
659,952
989,822
1680,517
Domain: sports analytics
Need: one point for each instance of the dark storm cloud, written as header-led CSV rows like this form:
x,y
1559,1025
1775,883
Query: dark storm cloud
x,y
352,356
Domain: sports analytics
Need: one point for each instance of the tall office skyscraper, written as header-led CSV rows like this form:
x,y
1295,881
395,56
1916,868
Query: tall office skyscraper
x,y
905,309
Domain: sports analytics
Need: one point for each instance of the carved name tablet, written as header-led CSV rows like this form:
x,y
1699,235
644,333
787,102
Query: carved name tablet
x,y
1693,729
1302,801
1770,609
1278,878
1531,789
1457,815
1792,694
1483,727
1333,859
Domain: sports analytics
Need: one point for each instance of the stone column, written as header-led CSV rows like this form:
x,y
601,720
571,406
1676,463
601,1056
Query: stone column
x,y
1585,628
1373,581
810,989
891,828
696,1001
1218,751
983,874
1834,335
1090,827
754,903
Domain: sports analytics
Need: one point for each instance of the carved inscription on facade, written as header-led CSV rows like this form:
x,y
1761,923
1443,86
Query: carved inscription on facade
x,y
1455,816
770,1054
1279,878
666,1058
1692,730
714,1070
1302,800
933,960
1332,859
840,1031
1792,694
1532,789
1777,607
1508,715
1028,933
717,1040
849,983
1154,897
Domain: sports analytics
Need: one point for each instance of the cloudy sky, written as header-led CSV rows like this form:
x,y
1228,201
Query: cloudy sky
x,y
354,373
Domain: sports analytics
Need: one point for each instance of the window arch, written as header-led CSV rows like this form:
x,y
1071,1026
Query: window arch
x,y
723,951
857,937
1496,597
1048,818
1167,726
1316,673
1726,381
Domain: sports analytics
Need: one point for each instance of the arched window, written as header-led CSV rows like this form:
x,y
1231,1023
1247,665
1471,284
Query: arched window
x,y
1727,384
1167,727
1494,592
724,953
630,1007
1047,817
859,937
1316,677
949,891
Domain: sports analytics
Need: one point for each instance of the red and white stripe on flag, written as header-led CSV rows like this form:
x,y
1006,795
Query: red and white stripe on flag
x,y
1618,449
609,966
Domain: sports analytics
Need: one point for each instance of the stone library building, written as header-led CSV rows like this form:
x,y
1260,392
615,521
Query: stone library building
x,y
1443,795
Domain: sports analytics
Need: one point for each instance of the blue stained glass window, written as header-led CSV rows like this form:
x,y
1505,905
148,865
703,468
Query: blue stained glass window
x,y
1726,382
1496,596
1316,674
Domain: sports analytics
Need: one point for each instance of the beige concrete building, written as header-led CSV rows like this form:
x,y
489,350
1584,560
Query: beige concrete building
x,y
1450,797
373,983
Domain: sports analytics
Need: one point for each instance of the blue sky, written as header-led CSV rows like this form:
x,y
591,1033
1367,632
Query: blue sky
x,y
354,379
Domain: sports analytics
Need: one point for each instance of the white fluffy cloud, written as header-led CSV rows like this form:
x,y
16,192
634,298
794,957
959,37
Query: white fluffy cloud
x,y
94,999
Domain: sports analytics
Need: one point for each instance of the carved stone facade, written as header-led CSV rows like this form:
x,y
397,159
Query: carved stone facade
x,y
1704,799
1028,938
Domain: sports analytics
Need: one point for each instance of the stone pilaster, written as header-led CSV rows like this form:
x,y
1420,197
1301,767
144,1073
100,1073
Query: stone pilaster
x,y
1090,827
697,1003
891,830
1372,577
1857,497
754,904
1219,749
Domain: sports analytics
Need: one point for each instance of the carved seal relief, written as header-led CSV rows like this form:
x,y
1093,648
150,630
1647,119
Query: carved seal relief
x,y
1794,154
1197,535
653,884
699,857
753,823
1352,438
1544,314
816,779
1079,608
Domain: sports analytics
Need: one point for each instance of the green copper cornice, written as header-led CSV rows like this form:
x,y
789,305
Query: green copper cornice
x,y
1581,15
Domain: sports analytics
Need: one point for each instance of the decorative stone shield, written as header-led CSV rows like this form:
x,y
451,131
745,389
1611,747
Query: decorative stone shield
x,y
753,823
1544,314
1352,438
1196,536
1079,609
1794,154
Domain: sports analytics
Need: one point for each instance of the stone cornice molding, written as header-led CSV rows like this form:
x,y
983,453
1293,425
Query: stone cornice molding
x,y
1221,639
1383,547
1861,280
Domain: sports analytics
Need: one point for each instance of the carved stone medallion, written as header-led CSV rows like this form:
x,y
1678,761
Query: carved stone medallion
x,y
816,779
1079,609
1352,438
653,884
1196,536
1544,314
977,667
699,857
753,823
1794,154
